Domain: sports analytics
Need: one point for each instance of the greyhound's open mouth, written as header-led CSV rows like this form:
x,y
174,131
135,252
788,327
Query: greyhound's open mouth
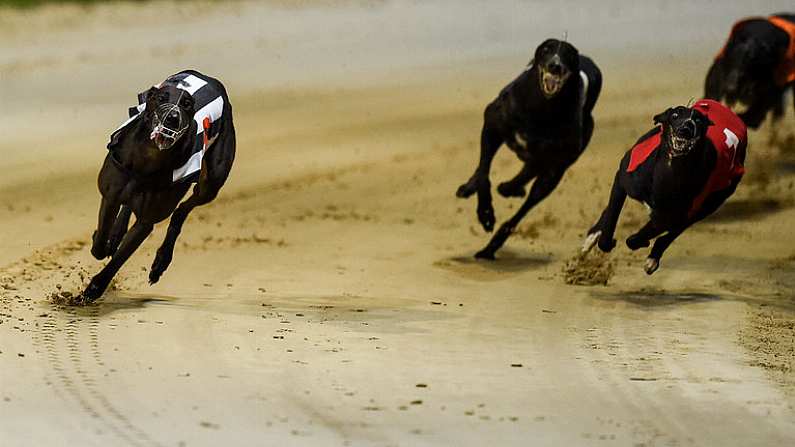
x,y
680,145
550,83
161,141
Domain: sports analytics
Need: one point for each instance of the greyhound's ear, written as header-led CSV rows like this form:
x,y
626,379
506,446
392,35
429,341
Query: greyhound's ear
x,y
151,92
121,133
116,137
662,118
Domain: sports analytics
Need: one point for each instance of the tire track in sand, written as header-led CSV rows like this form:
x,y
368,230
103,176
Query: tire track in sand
x,y
69,341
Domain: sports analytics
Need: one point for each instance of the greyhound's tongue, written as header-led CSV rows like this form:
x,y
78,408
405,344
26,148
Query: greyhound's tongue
x,y
158,139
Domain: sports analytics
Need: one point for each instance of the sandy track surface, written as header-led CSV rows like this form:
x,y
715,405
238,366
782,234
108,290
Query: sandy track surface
x,y
329,296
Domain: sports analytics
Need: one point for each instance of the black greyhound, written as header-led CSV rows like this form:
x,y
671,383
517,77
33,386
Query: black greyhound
x,y
544,116
683,170
182,132
755,67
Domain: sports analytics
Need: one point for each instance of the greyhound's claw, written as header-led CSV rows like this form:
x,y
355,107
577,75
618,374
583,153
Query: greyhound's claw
x,y
590,241
651,265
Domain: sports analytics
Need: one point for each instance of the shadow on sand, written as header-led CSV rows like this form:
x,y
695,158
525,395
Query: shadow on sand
x,y
748,209
508,262
112,303
652,298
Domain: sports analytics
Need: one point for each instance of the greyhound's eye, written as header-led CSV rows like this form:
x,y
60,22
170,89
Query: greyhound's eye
x,y
185,103
163,97
675,115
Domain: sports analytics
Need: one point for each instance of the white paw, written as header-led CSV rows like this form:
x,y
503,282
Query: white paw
x,y
590,241
651,265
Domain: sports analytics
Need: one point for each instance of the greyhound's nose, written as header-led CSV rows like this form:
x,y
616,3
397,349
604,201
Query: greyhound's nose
x,y
555,68
687,130
172,120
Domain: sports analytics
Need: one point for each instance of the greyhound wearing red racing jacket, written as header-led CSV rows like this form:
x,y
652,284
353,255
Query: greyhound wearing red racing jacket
x,y
755,67
683,169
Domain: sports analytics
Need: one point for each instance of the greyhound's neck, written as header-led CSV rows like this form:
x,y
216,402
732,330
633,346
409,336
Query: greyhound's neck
x,y
538,100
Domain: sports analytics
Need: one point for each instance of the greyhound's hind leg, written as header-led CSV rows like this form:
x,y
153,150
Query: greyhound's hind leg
x,y
203,193
660,245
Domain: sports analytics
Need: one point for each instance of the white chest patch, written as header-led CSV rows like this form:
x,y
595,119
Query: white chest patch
x,y
584,88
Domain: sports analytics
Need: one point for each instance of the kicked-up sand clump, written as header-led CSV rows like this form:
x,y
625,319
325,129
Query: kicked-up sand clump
x,y
589,269
66,298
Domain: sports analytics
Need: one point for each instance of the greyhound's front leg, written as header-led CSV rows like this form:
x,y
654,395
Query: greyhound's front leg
x,y
119,229
132,240
490,142
108,210
713,85
602,233
202,194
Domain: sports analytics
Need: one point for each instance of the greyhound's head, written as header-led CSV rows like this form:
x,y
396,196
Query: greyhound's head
x,y
556,61
750,60
683,129
169,113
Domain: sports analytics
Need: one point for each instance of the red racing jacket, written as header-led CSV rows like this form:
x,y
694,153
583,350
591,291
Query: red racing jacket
x,y
729,137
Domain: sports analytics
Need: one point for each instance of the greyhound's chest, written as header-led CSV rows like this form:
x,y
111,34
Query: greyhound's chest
x,y
534,142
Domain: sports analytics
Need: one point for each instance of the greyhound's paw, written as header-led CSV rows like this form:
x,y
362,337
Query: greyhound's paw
x,y
507,189
159,267
651,265
154,277
606,244
590,241
634,242
486,217
485,254
98,250
466,190
92,293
